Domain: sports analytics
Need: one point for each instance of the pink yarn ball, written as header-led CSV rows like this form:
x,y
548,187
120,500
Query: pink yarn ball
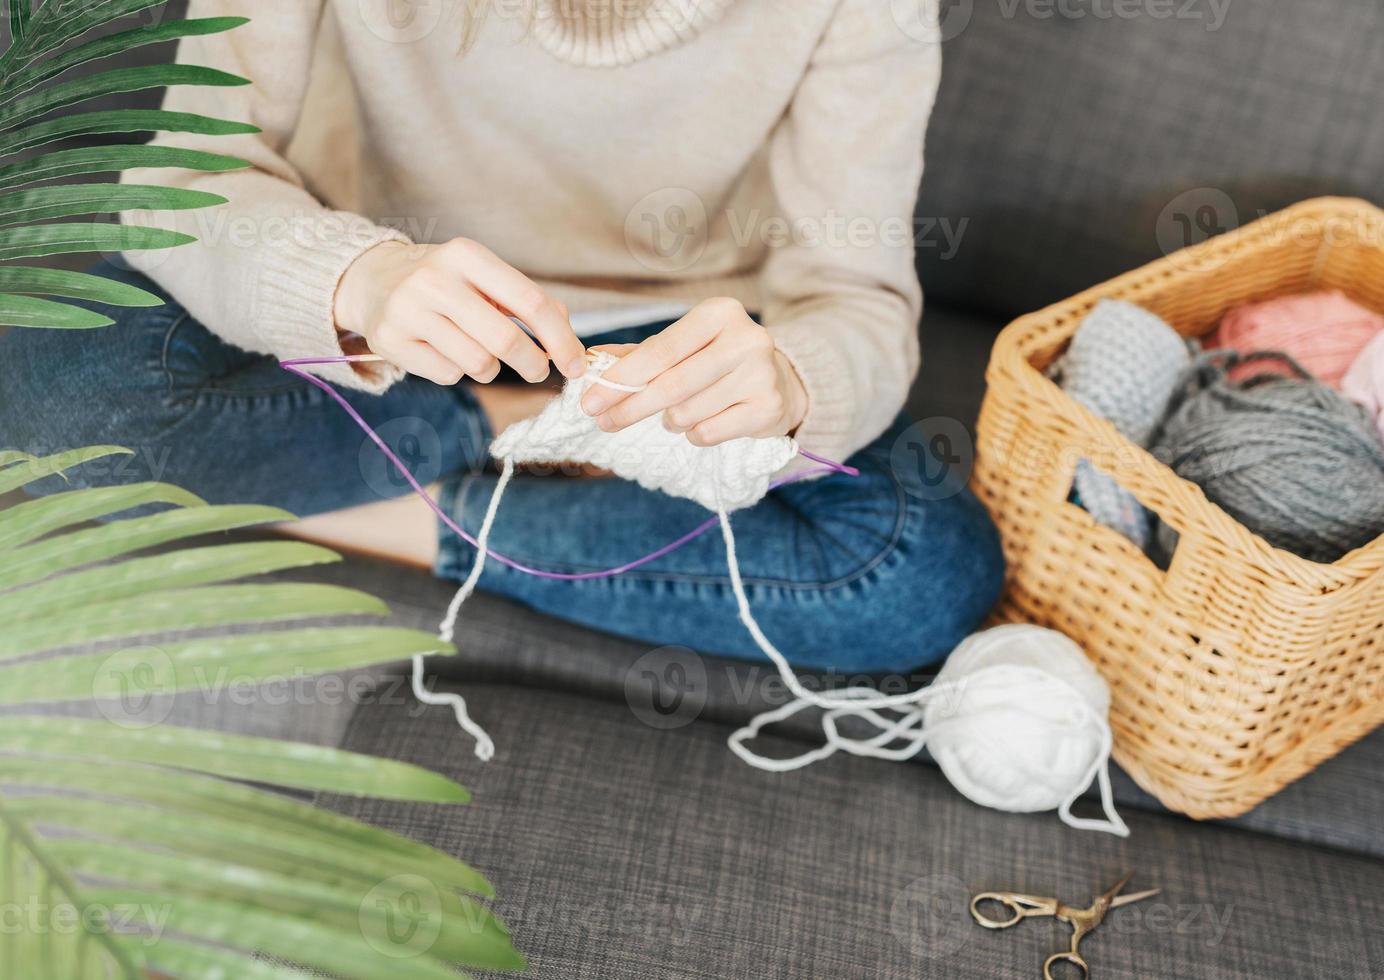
x,y
1324,332
1364,382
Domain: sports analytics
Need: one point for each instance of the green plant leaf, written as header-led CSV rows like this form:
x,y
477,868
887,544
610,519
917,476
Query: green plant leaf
x,y
15,477
121,121
30,311
82,953
188,609
469,935
110,159
59,22
179,569
113,82
174,957
115,44
264,760
211,662
73,285
33,519
20,12
84,236
98,544
46,203
345,953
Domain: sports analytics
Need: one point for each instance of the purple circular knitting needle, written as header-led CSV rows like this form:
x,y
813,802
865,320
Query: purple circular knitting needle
x,y
295,366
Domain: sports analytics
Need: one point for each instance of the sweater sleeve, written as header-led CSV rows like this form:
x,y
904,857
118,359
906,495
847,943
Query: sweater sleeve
x,y
264,271
841,296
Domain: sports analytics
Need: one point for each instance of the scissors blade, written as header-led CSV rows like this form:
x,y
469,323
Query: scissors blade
x,y
1133,897
1109,897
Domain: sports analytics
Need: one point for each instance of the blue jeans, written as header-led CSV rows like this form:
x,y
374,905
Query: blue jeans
x,y
868,574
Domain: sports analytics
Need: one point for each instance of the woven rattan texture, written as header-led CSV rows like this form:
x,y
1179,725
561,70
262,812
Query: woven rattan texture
x,y
1242,666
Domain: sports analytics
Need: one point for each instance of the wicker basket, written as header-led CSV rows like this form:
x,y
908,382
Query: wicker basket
x,y
1242,666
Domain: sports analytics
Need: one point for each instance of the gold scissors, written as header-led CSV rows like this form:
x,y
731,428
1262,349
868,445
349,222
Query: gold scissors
x,y
1082,920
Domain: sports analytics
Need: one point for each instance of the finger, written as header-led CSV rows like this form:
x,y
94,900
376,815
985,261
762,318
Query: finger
x,y
498,334
449,340
421,359
618,350
726,392
672,387
653,358
521,296
737,421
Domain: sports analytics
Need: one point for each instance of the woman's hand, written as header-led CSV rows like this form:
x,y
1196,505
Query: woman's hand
x,y
715,374
443,312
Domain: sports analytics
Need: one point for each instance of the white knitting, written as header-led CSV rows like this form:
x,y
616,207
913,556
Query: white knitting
x,y
738,471
735,475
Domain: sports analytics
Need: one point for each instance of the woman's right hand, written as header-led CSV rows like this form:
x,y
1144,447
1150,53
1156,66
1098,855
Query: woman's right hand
x,y
443,312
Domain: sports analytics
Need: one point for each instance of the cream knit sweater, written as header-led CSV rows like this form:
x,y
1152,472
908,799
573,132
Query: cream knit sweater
x,y
621,152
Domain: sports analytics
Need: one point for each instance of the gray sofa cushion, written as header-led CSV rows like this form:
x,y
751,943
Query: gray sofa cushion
x,y
1074,144
504,644
623,852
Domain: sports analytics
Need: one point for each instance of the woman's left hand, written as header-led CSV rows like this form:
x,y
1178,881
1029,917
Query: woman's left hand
x,y
715,374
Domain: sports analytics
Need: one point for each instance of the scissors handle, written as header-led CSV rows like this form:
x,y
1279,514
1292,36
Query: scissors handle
x,y
1070,956
1019,906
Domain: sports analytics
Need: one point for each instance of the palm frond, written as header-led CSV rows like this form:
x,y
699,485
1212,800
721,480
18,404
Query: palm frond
x,y
36,90
148,834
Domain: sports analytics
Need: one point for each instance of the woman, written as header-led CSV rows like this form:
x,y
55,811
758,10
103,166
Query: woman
x,y
725,188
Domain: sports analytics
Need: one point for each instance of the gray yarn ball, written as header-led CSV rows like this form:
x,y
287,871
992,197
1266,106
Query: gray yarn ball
x,y
1289,458
1124,364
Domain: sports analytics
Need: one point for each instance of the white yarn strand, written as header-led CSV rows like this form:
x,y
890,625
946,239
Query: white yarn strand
x,y
901,721
485,745
909,728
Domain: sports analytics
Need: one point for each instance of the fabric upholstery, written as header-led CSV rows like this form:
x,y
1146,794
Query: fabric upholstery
x,y
503,644
1075,144
624,852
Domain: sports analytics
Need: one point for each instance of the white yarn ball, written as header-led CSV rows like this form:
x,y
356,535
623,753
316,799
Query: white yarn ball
x,y
1027,723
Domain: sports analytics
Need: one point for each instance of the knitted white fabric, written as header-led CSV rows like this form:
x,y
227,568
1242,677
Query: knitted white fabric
x,y
1075,732
735,473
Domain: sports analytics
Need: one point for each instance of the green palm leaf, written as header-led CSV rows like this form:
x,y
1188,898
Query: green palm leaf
x,y
48,40
29,311
73,285
263,875
29,107
115,44
46,203
103,159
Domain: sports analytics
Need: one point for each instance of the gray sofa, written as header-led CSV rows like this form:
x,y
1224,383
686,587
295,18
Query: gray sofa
x,y
1070,142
